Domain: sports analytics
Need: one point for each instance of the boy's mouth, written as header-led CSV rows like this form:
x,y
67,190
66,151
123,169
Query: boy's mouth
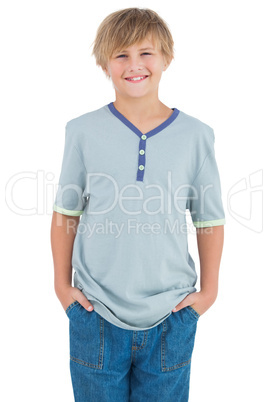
x,y
137,78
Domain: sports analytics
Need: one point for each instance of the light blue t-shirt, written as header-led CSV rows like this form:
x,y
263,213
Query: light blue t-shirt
x,y
132,190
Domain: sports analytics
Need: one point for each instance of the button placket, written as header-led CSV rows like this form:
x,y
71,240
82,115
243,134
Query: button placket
x,y
142,137
141,161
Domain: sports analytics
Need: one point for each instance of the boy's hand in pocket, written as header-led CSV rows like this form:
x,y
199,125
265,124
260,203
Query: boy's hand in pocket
x,y
70,294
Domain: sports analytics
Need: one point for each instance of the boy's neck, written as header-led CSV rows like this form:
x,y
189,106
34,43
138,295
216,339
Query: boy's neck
x,y
140,110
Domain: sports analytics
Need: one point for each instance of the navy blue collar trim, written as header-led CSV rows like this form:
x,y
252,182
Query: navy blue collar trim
x,y
156,130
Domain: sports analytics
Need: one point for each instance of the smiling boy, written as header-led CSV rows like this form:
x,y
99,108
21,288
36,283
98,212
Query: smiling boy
x,y
137,165
136,73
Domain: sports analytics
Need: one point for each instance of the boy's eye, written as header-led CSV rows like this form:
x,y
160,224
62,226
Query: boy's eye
x,y
124,55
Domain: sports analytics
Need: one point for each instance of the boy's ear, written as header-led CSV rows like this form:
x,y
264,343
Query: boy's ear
x,y
166,64
105,70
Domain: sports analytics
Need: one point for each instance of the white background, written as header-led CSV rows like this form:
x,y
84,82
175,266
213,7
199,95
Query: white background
x,y
48,77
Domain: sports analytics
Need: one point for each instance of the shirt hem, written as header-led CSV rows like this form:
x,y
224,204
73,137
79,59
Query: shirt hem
x,y
204,224
105,313
66,211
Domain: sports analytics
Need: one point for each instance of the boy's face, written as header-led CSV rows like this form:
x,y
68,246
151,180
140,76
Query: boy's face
x,y
136,71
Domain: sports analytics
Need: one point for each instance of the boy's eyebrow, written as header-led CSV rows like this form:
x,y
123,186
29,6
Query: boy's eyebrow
x,y
147,48
140,50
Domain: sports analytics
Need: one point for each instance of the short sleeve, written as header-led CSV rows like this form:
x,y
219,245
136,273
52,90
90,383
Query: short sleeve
x,y
70,198
205,202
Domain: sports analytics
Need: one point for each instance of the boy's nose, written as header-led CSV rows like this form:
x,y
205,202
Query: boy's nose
x,y
135,64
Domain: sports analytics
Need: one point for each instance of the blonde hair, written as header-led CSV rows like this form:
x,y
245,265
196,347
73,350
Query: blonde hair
x,y
127,27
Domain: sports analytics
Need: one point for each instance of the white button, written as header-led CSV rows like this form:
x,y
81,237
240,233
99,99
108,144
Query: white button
x,y
141,167
142,152
143,137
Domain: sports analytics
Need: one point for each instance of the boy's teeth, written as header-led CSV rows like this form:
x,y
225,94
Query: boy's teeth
x,y
135,78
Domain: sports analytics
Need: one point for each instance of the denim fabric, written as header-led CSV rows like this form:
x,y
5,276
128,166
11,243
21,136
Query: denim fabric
x,y
112,364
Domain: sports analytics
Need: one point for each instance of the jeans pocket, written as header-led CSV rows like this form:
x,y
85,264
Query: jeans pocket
x,y
70,307
86,337
193,312
178,338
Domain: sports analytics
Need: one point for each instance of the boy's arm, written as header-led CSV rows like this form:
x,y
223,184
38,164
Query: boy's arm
x,y
210,244
63,232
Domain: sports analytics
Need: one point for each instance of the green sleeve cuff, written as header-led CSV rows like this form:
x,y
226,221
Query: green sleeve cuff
x,y
66,211
205,224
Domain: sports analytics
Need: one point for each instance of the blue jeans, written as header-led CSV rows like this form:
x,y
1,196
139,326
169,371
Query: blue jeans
x,y
111,364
